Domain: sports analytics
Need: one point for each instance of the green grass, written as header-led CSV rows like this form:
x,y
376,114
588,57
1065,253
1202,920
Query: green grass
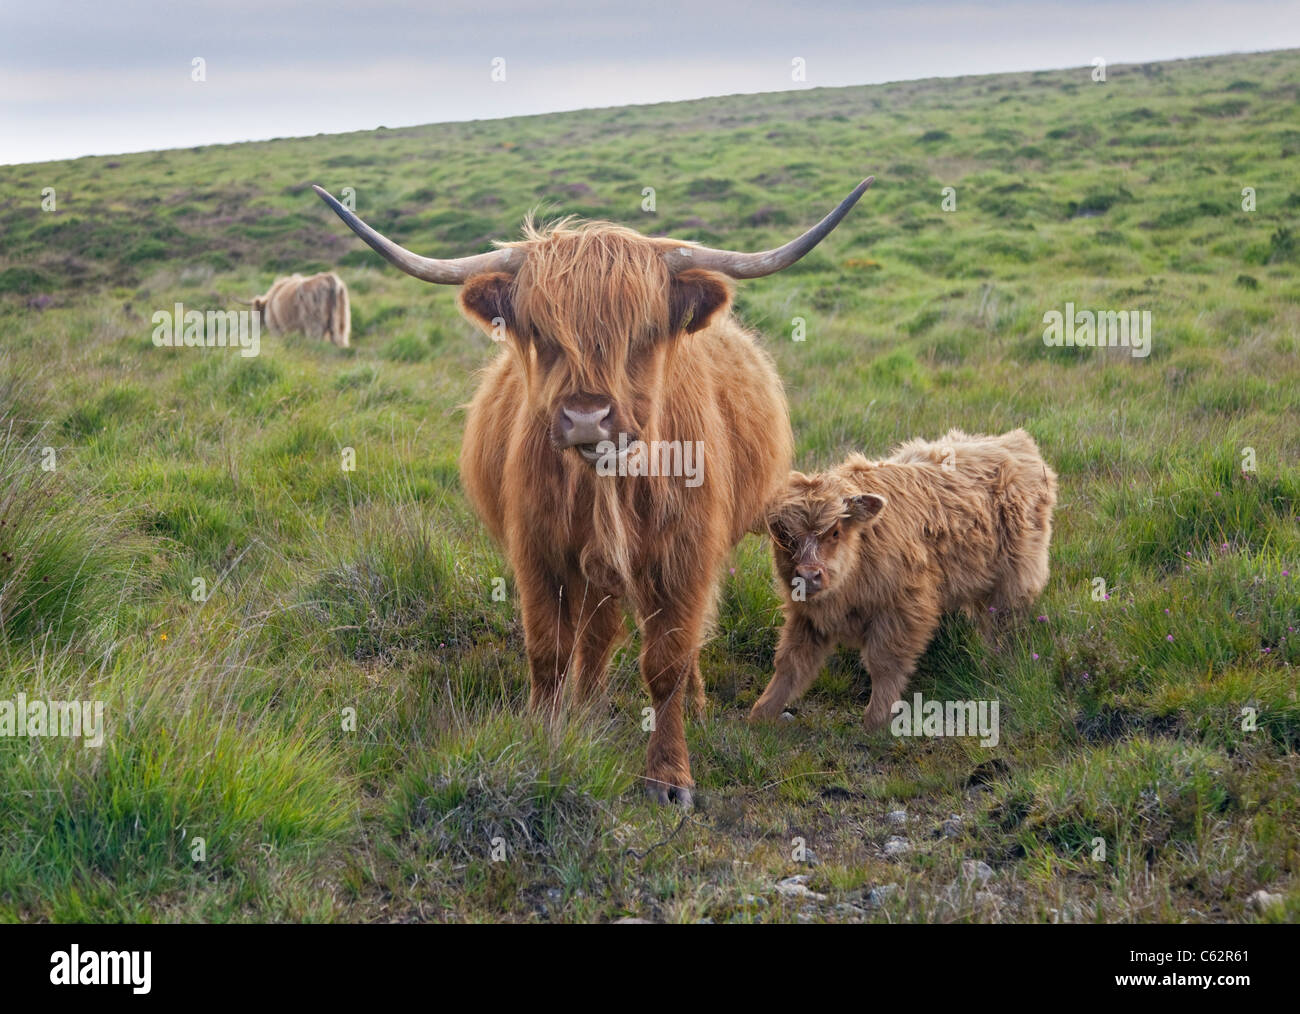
x,y
342,723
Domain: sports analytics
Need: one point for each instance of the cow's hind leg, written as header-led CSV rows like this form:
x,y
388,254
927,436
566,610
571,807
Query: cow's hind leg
x,y
1024,572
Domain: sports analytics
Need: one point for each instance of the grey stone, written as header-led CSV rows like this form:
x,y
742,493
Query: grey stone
x,y
975,869
896,845
1261,901
797,887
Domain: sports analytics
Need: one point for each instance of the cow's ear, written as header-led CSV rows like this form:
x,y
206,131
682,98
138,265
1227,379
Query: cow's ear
x,y
695,296
864,507
486,298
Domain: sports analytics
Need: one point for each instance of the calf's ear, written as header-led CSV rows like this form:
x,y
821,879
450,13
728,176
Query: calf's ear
x,y
865,506
486,299
694,298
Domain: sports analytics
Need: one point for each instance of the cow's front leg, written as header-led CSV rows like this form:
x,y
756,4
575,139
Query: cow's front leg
x,y
548,633
599,623
670,665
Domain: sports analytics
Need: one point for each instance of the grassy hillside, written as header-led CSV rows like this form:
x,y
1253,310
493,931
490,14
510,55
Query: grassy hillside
x,y
1122,718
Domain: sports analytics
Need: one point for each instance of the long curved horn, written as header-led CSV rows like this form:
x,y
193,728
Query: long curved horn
x,y
767,262
453,272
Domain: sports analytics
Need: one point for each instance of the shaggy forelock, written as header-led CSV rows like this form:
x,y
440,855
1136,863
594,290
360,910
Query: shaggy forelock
x,y
808,504
594,289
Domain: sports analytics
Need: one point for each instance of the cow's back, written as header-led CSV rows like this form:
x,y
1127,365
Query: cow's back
x,y
316,306
980,505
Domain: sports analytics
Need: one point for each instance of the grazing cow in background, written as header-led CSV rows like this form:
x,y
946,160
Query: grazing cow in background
x,y
617,343
316,306
872,553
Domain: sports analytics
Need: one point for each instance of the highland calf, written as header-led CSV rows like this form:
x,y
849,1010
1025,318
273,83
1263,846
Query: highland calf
x,y
617,342
316,306
871,553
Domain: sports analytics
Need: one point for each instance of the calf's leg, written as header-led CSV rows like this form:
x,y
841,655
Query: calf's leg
x,y
800,654
894,643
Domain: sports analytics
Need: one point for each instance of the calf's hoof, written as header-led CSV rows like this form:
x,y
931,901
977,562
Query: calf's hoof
x,y
765,712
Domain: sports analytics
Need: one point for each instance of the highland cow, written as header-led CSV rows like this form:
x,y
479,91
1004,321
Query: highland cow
x,y
872,553
316,306
615,342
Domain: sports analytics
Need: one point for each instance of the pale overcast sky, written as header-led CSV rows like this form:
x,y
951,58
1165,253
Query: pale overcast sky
x,y
103,77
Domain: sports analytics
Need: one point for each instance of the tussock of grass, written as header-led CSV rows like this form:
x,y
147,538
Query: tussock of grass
x,y
68,560
540,795
406,588
1137,796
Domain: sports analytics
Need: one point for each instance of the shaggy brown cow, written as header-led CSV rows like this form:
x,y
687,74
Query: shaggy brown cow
x,y
619,346
872,553
317,306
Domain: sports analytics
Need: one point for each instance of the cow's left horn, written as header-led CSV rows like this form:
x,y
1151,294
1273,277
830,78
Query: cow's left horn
x,y
452,272
768,262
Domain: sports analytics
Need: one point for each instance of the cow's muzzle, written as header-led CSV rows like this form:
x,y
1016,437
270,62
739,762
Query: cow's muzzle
x,y
812,578
579,428
584,422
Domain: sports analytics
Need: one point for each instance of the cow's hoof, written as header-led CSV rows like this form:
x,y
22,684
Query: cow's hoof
x,y
663,794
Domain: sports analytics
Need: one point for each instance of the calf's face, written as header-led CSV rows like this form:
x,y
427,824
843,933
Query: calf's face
x,y
816,524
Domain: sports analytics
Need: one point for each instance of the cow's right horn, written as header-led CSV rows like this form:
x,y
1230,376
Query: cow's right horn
x,y
452,272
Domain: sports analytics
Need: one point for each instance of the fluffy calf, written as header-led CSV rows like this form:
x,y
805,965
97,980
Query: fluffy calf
x,y
872,553
316,306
